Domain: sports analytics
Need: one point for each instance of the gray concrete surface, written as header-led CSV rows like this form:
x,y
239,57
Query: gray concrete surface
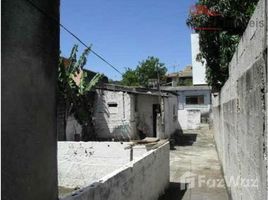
x,y
240,113
30,49
195,165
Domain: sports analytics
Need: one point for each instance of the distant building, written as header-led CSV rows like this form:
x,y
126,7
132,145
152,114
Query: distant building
x,y
194,105
199,67
194,100
182,78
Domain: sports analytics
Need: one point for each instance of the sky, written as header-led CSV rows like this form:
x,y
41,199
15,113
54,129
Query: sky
x,y
126,32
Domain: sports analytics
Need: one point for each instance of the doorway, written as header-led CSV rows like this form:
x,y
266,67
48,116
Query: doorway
x,y
156,110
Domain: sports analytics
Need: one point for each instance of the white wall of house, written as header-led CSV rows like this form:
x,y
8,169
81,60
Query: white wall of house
x,y
189,115
145,113
167,124
199,69
171,115
133,113
114,115
204,108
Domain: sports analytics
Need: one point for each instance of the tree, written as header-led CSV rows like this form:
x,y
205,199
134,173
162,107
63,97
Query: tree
x,y
218,46
147,69
116,82
75,95
130,78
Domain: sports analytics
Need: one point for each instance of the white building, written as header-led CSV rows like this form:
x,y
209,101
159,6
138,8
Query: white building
x,y
194,105
194,102
129,113
199,67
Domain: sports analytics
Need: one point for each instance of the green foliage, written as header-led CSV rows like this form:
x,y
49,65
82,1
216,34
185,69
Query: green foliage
x,y
185,82
147,69
116,82
76,96
130,78
218,47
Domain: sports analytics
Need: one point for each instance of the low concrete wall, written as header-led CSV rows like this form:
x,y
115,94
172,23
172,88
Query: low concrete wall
x,y
240,115
82,163
144,178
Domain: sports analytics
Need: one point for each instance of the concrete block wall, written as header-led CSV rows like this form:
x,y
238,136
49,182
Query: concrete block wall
x,y
240,113
114,122
143,178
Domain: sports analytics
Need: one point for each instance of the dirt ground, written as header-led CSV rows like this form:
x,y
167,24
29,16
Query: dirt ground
x,y
195,172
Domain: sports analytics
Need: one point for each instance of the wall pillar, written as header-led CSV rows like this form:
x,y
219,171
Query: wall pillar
x,y
30,50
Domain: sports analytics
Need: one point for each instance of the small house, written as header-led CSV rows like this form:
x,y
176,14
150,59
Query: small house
x,y
194,105
124,113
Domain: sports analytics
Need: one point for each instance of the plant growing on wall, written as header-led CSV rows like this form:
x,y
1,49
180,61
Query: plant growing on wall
x,y
220,25
75,88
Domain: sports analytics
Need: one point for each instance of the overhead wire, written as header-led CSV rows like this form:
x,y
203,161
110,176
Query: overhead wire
x,y
73,35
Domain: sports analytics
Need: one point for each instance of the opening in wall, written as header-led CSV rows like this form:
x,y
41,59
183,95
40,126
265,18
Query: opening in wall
x,y
195,100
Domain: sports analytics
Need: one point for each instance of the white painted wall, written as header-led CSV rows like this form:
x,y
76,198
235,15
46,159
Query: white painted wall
x,y
189,119
171,115
189,116
82,163
199,69
117,123
168,124
205,108
124,121
144,178
145,113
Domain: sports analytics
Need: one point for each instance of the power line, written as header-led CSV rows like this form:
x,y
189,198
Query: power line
x,y
72,34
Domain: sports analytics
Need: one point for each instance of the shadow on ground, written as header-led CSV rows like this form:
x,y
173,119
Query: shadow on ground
x,y
185,139
175,191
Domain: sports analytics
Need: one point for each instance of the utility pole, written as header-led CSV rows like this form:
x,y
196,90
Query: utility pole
x,y
158,87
